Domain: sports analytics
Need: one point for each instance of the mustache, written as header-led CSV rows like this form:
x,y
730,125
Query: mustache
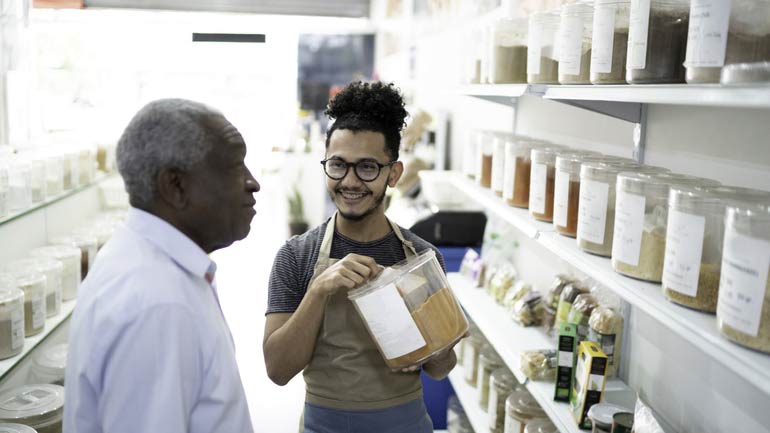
x,y
353,191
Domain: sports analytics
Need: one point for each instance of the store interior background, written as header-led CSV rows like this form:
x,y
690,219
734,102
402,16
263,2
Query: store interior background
x,y
79,75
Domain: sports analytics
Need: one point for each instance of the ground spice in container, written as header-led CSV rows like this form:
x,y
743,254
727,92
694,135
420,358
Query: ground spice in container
x,y
521,181
33,284
575,30
542,183
11,318
510,64
573,201
38,406
660,58
542,62
651,256
88,246
617,74
584,77
708,290
486,171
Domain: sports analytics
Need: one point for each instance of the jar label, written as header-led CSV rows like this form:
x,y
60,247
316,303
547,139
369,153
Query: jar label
x,y
684,250
561,198
629,223
537,188
38,311
492,409
17,329
509,177
637,34
592,218
570,45
707,35
603,39
389,321
534,48
606,341
743,282
471,361
513,425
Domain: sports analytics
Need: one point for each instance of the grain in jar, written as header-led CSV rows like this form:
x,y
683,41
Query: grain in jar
x,y
489,361
694,240
53,271
575,29
11,317
657,41
541,183
71,259
38,406
33,283
88,246
498,161
518,165
610,41
641,216
485,153
520,410
541,425
606,329
743,309
509,51
502,384
566,193
542,60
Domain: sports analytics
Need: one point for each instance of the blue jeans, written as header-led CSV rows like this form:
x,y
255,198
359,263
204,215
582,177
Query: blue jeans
x,y
410,417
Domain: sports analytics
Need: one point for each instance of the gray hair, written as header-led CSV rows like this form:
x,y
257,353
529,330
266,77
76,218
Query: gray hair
x,y
167,133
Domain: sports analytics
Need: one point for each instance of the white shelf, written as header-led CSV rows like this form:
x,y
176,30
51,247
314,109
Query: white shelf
x,y
469,399
510,340
30,343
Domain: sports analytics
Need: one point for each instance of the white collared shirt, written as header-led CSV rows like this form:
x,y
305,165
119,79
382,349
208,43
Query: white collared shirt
x,y
149,348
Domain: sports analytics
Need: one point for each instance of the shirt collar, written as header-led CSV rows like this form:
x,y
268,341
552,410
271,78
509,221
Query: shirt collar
x,y
171,241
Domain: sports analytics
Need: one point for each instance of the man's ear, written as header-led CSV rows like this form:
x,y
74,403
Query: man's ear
x,y
172,187
396,171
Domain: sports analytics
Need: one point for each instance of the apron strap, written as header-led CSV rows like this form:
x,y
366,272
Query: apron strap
x,y
407,245
326,243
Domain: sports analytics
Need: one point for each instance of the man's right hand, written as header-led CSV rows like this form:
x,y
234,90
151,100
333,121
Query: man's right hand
x,y
347,274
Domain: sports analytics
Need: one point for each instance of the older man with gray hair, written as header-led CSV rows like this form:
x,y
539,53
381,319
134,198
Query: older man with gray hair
x,y
150,350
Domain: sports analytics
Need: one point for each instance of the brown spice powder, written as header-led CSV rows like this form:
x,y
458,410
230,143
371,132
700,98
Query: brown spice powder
x,y
550,182
486,171
521,183
573,202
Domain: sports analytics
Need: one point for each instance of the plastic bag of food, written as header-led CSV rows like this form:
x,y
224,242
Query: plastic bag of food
x,y
606,329
528,311
518,291
557,287
580,314
644,420
568,296
502,282
539,364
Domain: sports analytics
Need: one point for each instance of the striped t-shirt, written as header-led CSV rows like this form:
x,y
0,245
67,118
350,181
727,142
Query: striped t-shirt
x,y
295,261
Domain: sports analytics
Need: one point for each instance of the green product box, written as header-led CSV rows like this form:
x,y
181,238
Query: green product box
x,y
566,356
588,386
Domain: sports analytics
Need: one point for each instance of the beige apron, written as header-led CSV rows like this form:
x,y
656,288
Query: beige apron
x,y
346,370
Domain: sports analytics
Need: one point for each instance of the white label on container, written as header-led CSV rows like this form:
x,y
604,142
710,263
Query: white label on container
x,y
565,359
561,198
38,311
513,426
570,45
743,282
603,40
629,223
707,35
684,249
509,176
537,188
492,408
534,48
592,211
390,322
638,32
498,165
17,329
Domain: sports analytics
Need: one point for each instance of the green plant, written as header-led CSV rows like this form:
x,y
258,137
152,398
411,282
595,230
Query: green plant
x,y
296,207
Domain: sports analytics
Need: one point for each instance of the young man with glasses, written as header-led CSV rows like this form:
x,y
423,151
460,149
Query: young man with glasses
x,y
311,325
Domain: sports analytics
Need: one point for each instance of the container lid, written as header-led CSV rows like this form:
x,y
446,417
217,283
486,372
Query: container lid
x,y
79,240
579,9
59,252
25,276
622,422
33,404
8,295
390,275
602,413
737,195
502,378
16,428
541,425
746,73
53,359
662,181
522,405
603,167
40,264
490,357
546,154
7,281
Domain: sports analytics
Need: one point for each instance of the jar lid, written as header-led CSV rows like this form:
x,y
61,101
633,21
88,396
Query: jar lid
x,y
32,404
502,378
76,240
540,425
569,160
53,359
16,428
59,252
522,405
26,276
545,154
39,264
8,295
579,9
392,274
737,195
622,422
746,73
545,16
607,168
661,181
7,281
602,413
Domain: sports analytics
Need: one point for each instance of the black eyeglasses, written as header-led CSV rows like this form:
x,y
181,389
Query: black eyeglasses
x,y
367,170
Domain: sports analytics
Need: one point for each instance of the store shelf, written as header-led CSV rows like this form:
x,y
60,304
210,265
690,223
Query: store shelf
x,y
469,399
30,343
506,94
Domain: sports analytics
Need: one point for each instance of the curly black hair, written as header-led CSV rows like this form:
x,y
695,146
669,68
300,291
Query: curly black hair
x,y
374,107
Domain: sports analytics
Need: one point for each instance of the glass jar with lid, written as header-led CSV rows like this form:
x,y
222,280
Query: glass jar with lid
x,y
37,179
518,165
520,410
726,33
486,54
575,30
101,230
641,217
469,154
473,48
11,317
33,283
49,365
566,192
657,41
610,41
70,258
88,245
473,347
485,158
601,416
86,165
501,384
743,309
541,183
20,184
540,425
542,60
489,361
694,240
38,406
54,175
509,51
70,169
499,140
53,271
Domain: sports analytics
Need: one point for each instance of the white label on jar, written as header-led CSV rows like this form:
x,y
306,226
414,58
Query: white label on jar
x,y
743,282
603,39
707,35
509,176
38,311
534,48
498,166
561,198
390,322
537,188
629,223
684,248
638,32
17,329
592,216
492,409
513,425
570,45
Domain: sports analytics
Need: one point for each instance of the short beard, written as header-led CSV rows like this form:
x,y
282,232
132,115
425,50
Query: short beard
x,y
354,217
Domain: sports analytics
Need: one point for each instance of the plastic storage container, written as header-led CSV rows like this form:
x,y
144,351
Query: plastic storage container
x,y
694,240
489,361
610,41
566,193
470,153
38,406
33,283
657,41
542,60
502,384
541,183
540,426
53,270
70,169
37,178
410,311
509,52
641,217
473,347
16,428
485,153
726,33
49,365
743,309
54,175
498,161
520,410
575,29
71,259
518,165
472,72
88,246
11,317
86,165
19,185
601,416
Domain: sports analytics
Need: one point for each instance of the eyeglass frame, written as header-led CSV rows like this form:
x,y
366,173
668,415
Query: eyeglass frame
x,y
380,166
